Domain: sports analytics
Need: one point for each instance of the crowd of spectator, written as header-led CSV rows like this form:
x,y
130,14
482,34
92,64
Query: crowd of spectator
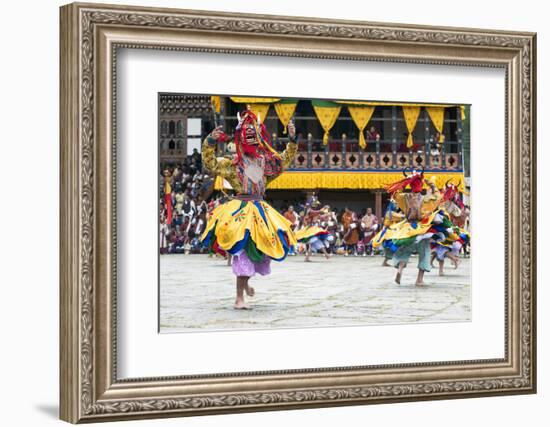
x,y
351,231
183,207
183,212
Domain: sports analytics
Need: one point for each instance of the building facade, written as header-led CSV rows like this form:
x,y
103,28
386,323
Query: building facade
x,y
338,168
182,121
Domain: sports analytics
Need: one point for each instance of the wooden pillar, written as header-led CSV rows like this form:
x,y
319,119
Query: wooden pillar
x,y
427,148
378,204
459,147
183,137
393,137
344,151
327,156
309,162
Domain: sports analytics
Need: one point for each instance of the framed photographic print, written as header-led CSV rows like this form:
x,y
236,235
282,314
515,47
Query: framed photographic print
x,y
268,212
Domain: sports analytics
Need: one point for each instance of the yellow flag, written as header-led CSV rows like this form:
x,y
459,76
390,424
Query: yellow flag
x,y
437,115
261,109
216,103
361,117
411,116
284,112
327,117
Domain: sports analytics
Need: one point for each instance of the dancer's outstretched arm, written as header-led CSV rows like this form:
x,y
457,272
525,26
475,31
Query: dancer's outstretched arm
x,y
218,166
291,147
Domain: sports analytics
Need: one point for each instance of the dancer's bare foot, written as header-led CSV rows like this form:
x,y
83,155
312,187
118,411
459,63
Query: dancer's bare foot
x,y
242,285
420,278
385,263
398,278
400,268
240,305
249,290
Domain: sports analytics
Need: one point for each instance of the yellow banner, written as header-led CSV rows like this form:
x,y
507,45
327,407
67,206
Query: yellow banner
x,y
346,180
327,117
411,117
260,110
361,116
259,100
284,112
216,103
437,115
398,104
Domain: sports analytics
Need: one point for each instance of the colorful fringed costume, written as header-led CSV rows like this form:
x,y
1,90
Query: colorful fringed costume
x,y
312,234
425,220
247,227
458,214
391,217
452,243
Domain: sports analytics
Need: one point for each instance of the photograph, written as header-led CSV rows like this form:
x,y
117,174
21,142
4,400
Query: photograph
x,y
265,208
295,213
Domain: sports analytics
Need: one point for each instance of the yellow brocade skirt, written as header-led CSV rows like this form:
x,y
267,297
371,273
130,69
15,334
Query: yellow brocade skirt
x,y
307,233
403,230
250,226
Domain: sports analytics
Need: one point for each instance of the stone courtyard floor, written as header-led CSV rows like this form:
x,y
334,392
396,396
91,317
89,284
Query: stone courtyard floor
x,y
197,294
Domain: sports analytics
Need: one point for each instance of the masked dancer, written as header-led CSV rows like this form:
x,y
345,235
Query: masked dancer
x,y
246,226
424,221
312,235
454,241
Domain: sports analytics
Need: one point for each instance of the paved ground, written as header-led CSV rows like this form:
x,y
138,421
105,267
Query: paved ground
x,y
197,293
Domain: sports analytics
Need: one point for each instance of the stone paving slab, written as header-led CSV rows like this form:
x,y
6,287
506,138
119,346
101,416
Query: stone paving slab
x,y
197,294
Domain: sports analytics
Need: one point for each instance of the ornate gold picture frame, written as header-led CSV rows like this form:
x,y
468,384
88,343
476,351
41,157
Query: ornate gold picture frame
x,y
90,36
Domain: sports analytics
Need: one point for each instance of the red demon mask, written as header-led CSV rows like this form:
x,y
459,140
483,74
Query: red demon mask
x,y
252,139
415,181
452,193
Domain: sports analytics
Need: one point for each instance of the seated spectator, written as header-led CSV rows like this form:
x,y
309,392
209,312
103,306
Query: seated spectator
x,y
178,200
188,207
291,216
373,134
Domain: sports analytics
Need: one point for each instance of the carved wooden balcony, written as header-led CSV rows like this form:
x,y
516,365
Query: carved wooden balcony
x,y
378,156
